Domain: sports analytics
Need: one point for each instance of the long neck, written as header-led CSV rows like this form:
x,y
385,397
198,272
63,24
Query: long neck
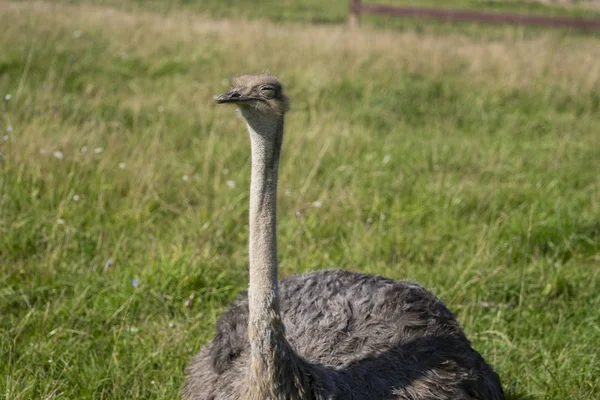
x,y
265,136
275,370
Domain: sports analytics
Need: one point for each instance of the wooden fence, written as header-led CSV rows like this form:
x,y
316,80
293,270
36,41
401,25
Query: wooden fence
x,y
357,8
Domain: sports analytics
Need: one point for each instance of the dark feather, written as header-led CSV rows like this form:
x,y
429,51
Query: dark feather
x,y
370,337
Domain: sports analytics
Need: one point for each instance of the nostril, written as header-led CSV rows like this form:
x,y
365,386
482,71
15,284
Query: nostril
x,y
235,95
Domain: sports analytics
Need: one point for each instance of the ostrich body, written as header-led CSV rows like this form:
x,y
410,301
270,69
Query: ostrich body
x,y
330,334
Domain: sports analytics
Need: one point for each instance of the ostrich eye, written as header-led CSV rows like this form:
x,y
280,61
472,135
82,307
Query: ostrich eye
x,y
268,91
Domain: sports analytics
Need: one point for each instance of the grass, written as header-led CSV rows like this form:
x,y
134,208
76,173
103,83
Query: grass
x,y
467,163
336,11
317,12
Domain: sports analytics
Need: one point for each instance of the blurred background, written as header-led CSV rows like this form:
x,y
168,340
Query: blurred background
x,y
462,155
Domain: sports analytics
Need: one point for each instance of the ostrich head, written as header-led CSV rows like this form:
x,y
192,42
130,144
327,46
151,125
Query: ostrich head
x,y
259,95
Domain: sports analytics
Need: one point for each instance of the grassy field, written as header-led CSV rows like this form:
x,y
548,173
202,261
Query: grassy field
x,y
468,163
336,11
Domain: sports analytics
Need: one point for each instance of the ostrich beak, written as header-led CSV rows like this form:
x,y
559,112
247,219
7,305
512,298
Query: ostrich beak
x,y
232,96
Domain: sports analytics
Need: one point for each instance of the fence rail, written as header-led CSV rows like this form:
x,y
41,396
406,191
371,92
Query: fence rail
x,y
357,8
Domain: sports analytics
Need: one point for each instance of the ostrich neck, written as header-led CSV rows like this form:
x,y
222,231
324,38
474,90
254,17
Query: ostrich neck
x,y
273,366
265,138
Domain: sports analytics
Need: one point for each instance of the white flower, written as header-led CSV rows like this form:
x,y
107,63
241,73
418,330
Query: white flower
x,y
317,204
58,154
152,383
231,184
76,197
386,159
186,178
84,149
122,165
9,129
98,150
189,300
60,221
7,97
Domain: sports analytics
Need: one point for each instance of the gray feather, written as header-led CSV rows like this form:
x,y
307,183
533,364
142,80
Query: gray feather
x,y
370,337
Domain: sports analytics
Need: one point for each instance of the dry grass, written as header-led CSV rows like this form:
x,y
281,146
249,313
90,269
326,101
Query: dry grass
x,y
510,60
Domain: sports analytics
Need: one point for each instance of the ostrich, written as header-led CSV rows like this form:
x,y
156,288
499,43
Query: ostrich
x,y
330,334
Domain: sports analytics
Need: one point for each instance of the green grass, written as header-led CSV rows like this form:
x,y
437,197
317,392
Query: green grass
x,y
336,11
468,164
318,12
